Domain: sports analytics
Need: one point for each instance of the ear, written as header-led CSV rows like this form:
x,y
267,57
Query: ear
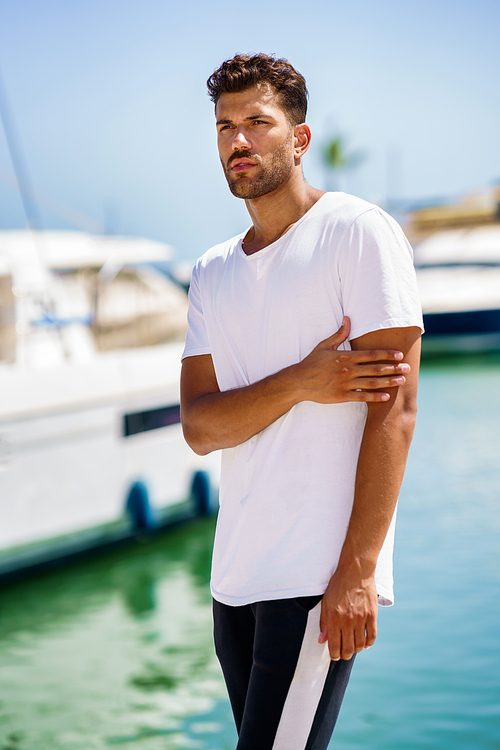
x,y
302,139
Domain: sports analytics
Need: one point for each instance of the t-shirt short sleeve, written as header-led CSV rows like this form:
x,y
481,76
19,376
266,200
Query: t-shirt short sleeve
x,y
378,280
197,337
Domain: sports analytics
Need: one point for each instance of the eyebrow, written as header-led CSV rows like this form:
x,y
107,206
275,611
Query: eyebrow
x,y
257,116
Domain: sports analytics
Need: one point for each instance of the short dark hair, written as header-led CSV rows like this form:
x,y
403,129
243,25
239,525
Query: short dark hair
x,y
245,71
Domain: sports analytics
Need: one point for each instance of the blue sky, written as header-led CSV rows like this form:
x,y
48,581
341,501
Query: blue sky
x,y
110,104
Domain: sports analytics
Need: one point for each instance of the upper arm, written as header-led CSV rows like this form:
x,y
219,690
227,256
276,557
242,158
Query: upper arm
x,y
406,340
197,379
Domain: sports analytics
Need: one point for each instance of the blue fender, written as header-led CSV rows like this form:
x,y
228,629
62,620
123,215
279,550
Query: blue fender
x,y
202,493
138,508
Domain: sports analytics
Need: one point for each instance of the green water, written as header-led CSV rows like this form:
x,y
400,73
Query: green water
x,y
117,652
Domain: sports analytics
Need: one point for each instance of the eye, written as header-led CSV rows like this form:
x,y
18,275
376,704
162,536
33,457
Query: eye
x,y
224,127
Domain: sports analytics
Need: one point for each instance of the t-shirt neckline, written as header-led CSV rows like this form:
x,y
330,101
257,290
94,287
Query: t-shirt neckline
x,y
274,244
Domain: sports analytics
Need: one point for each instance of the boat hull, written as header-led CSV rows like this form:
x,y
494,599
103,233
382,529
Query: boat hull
x,y
461,332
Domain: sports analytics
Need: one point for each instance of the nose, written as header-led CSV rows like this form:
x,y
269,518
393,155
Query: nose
x,y
240,141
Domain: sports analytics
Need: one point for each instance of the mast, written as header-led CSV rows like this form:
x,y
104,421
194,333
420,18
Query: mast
x,y
22,177
44,297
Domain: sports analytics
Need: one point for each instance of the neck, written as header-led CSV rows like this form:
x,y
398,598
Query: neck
x,y
275,213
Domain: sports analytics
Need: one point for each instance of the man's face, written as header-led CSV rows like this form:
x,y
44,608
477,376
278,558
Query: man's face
x,y
255,142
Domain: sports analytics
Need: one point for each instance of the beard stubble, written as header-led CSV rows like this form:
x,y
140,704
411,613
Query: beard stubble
x,y
271,175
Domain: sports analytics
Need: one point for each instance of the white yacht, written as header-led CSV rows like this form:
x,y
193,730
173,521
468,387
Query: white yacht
x,y
458,272
91,448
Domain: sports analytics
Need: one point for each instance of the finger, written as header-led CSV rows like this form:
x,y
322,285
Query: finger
x,y
372,369
371,632
334,341
334,643
366,397
372,355
359,638
372,384
348,648
323,636
342,333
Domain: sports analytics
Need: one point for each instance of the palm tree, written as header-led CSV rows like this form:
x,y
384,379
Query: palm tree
x,y
338,162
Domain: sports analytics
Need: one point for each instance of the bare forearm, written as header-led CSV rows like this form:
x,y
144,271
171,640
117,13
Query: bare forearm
x,y
225,419
381,465
349,606
229,418
212,419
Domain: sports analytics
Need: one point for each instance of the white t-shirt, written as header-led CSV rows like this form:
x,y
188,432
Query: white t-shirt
x,y
286,494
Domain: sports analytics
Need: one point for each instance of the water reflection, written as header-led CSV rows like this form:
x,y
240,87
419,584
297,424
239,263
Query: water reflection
x,y
132,571
114,650
117,651
139,593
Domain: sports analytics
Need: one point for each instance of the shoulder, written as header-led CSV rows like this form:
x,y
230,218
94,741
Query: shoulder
x,y
364,226
343,207
350,211
219,254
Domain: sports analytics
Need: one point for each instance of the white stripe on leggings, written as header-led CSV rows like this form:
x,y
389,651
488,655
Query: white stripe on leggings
x,y
305,689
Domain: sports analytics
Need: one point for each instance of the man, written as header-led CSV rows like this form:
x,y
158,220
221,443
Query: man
x,y
314,434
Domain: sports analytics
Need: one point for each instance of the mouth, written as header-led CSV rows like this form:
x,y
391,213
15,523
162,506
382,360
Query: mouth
x,y
240,165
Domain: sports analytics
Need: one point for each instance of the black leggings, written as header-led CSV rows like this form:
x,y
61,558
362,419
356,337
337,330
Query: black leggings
x,y
285,691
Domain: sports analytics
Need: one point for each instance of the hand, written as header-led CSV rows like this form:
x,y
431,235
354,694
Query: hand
x,y
328,376
348,615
